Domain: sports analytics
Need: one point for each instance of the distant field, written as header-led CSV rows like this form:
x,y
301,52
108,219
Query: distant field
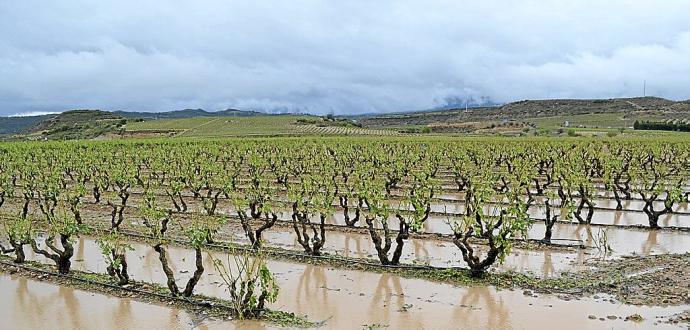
x,y
604,120
245,126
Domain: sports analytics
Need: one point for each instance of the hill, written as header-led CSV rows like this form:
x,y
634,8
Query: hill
x,y
92,123
516,118
187,113
594,113
25,124
76,124
16,125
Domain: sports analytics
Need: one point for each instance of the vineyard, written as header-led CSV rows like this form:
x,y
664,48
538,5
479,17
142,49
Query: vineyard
x,y
276,125
243,227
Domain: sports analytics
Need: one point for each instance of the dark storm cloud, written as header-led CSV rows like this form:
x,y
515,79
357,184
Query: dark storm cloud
x,y
342,57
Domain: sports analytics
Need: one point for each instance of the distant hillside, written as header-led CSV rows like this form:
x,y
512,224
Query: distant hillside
x,y
187,113
32,124
77,124
74,117
16,125
521,116
531,109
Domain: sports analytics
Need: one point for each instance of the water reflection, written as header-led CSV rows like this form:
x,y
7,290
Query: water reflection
x,y
28,304
345,298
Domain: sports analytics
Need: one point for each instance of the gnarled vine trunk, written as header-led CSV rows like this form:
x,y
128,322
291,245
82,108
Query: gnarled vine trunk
x,y
62,258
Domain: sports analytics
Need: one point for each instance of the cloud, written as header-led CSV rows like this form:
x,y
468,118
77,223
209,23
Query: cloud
x,y
341,57
32,113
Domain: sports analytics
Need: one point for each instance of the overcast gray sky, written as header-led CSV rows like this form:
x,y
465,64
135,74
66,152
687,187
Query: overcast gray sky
x,y
335,56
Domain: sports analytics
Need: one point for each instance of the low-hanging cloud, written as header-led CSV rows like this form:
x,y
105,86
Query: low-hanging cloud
x,y
335,57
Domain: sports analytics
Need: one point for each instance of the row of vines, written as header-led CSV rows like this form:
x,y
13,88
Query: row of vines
x,y
385,187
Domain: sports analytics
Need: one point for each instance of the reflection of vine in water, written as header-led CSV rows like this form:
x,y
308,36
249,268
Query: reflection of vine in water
x,y
28,303
578,233
650,242
617,217
358,245
420,252
123,312
582,256
547,266
521,259
312,281
387,287
72,304
618,214
496,312
147,261
79,255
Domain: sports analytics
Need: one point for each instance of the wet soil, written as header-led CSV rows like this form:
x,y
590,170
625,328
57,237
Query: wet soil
x,y
659,280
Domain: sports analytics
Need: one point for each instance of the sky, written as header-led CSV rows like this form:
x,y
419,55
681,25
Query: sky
x,y
341,57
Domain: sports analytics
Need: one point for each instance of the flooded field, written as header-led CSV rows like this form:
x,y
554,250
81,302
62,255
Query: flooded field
x,y
31,304
448,233
342,298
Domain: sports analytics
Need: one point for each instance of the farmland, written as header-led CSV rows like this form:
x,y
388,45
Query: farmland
x,y
248,126
356,231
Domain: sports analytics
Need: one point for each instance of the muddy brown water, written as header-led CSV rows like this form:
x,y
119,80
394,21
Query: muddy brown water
x,y
348,299
30,304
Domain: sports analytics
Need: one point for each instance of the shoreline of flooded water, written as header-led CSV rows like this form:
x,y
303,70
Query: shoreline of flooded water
x,y
352,299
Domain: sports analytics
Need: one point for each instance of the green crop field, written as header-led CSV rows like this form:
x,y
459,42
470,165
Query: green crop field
x,y
245,126
603,120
